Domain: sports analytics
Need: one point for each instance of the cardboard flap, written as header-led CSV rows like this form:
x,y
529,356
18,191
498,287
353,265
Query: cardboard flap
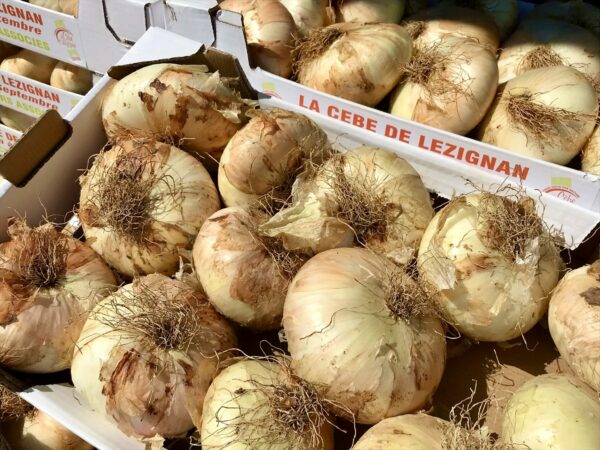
x,y
34,148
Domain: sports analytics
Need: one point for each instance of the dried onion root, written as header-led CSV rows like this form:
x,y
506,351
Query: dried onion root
x,y
49,282
259,403
147,355
142,203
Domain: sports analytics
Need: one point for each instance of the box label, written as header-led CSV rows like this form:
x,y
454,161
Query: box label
x,y
41,30
7,137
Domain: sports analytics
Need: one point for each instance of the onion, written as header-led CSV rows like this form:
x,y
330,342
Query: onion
x,y
267,154
577,12
545,43
505,13
432,24
368,195
574,320
38,431
493,262
71,78
147,355
552,412
363,332
173,102
370,11
29,64
308,14
49,281
358,62
448,84
65,6
261,405
15,119
142,204
244,273
545,113
590,158
270,31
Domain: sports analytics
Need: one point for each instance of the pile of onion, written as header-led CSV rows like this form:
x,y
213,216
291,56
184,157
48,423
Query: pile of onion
x,y
148,353
546,113
49,282
552,411
493,262
15,119
430,25
171,102
574,321
504,13
270,32
368,196
590,157
358,62
26,428
541,43
308,14
265,156
370,11
448,84
364,334
261,404
578,12
71,78
29,64
142,203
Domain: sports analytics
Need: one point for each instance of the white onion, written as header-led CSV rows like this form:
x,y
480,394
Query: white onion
x,y
308,14
367,195
29,64
505,13
147,355
71,78
578,12
448,84
370,11
552,412
261,405
245,276
142,204
362,333
266,155
590,158
65,6
574,321
493,263
358,62
173,102
546,113
270,31
15,119
541,43
49,283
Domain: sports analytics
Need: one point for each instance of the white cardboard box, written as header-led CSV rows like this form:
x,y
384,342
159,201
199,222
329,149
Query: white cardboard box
x,y
53,189
8,137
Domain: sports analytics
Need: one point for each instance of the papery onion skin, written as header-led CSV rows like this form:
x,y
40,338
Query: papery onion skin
x,y
40,324
576,11
39,431
30,64
574,322
390,367
370,11
362,62
590,158
270,31
483,293
308,14
238,274
71,78
457,21
569,45
562,91
471,73
144,386
406,432
176,195
552,412
236,415
171,102
266,154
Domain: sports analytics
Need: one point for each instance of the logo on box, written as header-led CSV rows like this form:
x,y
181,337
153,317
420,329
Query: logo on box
x,y
562,187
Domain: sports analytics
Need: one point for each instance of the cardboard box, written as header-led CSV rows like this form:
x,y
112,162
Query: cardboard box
x,y
102,31
8,137
65,150
569,185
